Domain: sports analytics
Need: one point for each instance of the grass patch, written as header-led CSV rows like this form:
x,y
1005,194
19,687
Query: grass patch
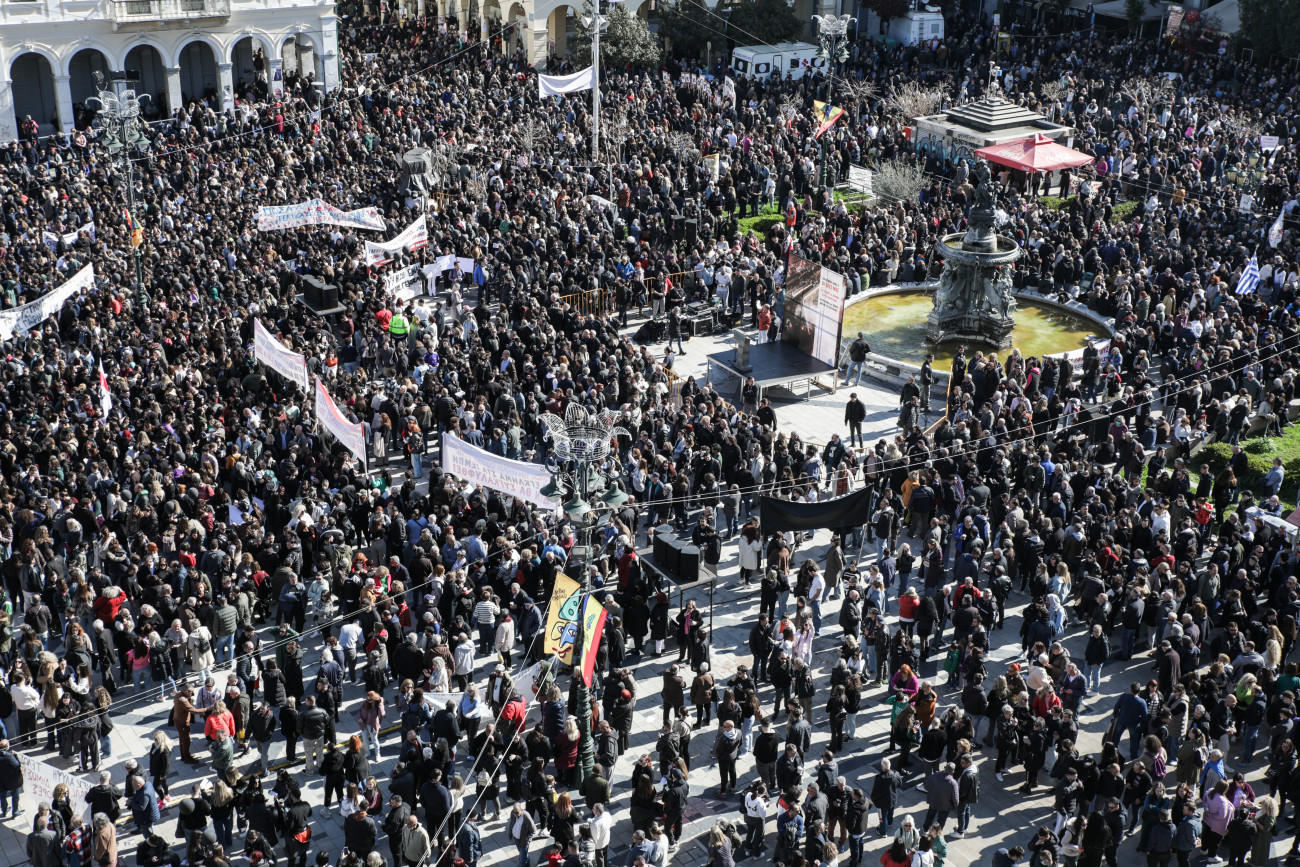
x,y
761,225
1260,452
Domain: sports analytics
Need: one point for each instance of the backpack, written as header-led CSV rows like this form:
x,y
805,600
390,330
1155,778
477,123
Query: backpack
x,y
789,838
201,643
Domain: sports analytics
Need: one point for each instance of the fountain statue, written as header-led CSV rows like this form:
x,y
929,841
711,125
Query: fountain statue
x,y
973,301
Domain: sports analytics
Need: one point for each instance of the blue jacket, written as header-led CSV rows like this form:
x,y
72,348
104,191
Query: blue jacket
x,y
1130,711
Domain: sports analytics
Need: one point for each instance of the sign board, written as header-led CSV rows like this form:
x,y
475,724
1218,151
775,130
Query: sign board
x,y
1175,18
1268,142
39,780
860,180
1246,203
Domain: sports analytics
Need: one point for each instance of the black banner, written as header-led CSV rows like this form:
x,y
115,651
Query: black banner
x,y
777,516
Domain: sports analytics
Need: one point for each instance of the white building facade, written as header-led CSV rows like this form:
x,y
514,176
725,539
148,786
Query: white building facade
x,y
183,50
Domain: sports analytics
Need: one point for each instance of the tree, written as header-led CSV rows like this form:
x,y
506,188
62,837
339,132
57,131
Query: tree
x,y
888,10
1133,10
912,99
625,43
898,180
686,27
1262,23
757,22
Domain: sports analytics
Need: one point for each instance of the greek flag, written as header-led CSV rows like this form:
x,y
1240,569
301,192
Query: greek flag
x,y
1249,280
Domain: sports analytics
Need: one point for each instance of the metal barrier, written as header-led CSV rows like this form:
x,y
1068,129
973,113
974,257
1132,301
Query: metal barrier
x,y
596,302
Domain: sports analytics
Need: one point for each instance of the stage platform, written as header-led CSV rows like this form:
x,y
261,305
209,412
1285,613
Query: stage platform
x,y
773,364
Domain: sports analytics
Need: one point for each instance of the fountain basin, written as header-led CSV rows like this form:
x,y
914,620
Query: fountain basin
x,y
894,321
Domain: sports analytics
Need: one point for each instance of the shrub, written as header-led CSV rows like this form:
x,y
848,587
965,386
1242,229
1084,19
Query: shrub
x,y
1125,210
1216,455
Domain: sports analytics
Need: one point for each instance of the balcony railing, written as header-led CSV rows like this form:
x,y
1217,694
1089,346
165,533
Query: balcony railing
x,y
140,11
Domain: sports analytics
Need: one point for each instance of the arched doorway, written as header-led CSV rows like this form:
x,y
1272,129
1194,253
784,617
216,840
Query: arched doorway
x,y
298,54
81,72
146,60
199,79
560,26
248,65
517,22
33,87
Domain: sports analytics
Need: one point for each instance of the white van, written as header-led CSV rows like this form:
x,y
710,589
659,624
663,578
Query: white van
x,y
760,61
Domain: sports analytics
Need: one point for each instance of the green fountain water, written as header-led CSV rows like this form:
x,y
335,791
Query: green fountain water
x,y
895,327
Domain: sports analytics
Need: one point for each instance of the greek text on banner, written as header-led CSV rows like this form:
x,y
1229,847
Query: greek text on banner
x,y
481,467
353,436
316,212
28,316
277,356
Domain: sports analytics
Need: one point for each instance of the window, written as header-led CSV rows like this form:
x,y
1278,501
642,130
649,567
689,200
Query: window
x,y
794,63
741,66
762,68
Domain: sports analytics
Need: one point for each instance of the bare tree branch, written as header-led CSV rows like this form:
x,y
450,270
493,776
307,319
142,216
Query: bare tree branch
x,y
912,99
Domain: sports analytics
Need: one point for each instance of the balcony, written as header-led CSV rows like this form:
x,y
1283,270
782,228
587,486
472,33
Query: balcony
x,y
125,12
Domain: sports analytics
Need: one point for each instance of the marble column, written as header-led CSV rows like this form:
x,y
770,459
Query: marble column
x,y
63,100
175,100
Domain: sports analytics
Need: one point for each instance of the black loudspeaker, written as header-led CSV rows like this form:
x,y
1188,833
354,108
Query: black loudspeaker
x,y
678,228
311,293
692,230
318,294
690,564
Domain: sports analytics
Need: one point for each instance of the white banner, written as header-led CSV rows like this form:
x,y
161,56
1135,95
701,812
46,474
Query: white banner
x,y
463,264
353,436
1269,142
830,311
553,85
39,780
860,180
481,467
52,240
316,212
275,355
28,316
403,285
413,237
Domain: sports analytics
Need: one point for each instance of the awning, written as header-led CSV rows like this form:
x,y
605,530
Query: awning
x,y
1224,17
1037,154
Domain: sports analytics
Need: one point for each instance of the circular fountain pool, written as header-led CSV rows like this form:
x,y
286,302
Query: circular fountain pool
x,y
895,321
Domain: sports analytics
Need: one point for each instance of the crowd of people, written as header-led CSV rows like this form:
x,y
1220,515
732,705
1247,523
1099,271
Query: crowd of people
x,y
200,539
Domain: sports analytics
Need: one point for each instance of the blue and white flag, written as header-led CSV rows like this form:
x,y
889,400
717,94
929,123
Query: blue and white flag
x,y
1249,280
1275,232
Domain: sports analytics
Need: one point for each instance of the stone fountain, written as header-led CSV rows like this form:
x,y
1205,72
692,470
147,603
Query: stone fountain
x,y
973,301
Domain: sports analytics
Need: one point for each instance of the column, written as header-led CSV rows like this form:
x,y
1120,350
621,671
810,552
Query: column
x,y
482,25
174,99
63,99
330,57
8,123
225,72
536,43
419,8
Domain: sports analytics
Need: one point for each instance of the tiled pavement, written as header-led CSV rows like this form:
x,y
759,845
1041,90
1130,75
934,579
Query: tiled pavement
x,y
1003,818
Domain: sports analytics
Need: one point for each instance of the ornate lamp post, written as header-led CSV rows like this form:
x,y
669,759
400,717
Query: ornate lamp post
x,y
831,32
122,137
584,472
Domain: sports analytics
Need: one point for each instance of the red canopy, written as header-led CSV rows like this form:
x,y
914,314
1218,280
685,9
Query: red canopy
x,y
1037,154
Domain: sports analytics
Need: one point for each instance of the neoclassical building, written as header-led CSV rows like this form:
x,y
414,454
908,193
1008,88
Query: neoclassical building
x,y
183,50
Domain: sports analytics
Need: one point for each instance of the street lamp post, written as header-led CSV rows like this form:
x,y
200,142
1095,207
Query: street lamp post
x,y
122,136
585,470
832,31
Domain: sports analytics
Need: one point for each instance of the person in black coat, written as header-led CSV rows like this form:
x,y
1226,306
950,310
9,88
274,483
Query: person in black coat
x,y
360,833
289,726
